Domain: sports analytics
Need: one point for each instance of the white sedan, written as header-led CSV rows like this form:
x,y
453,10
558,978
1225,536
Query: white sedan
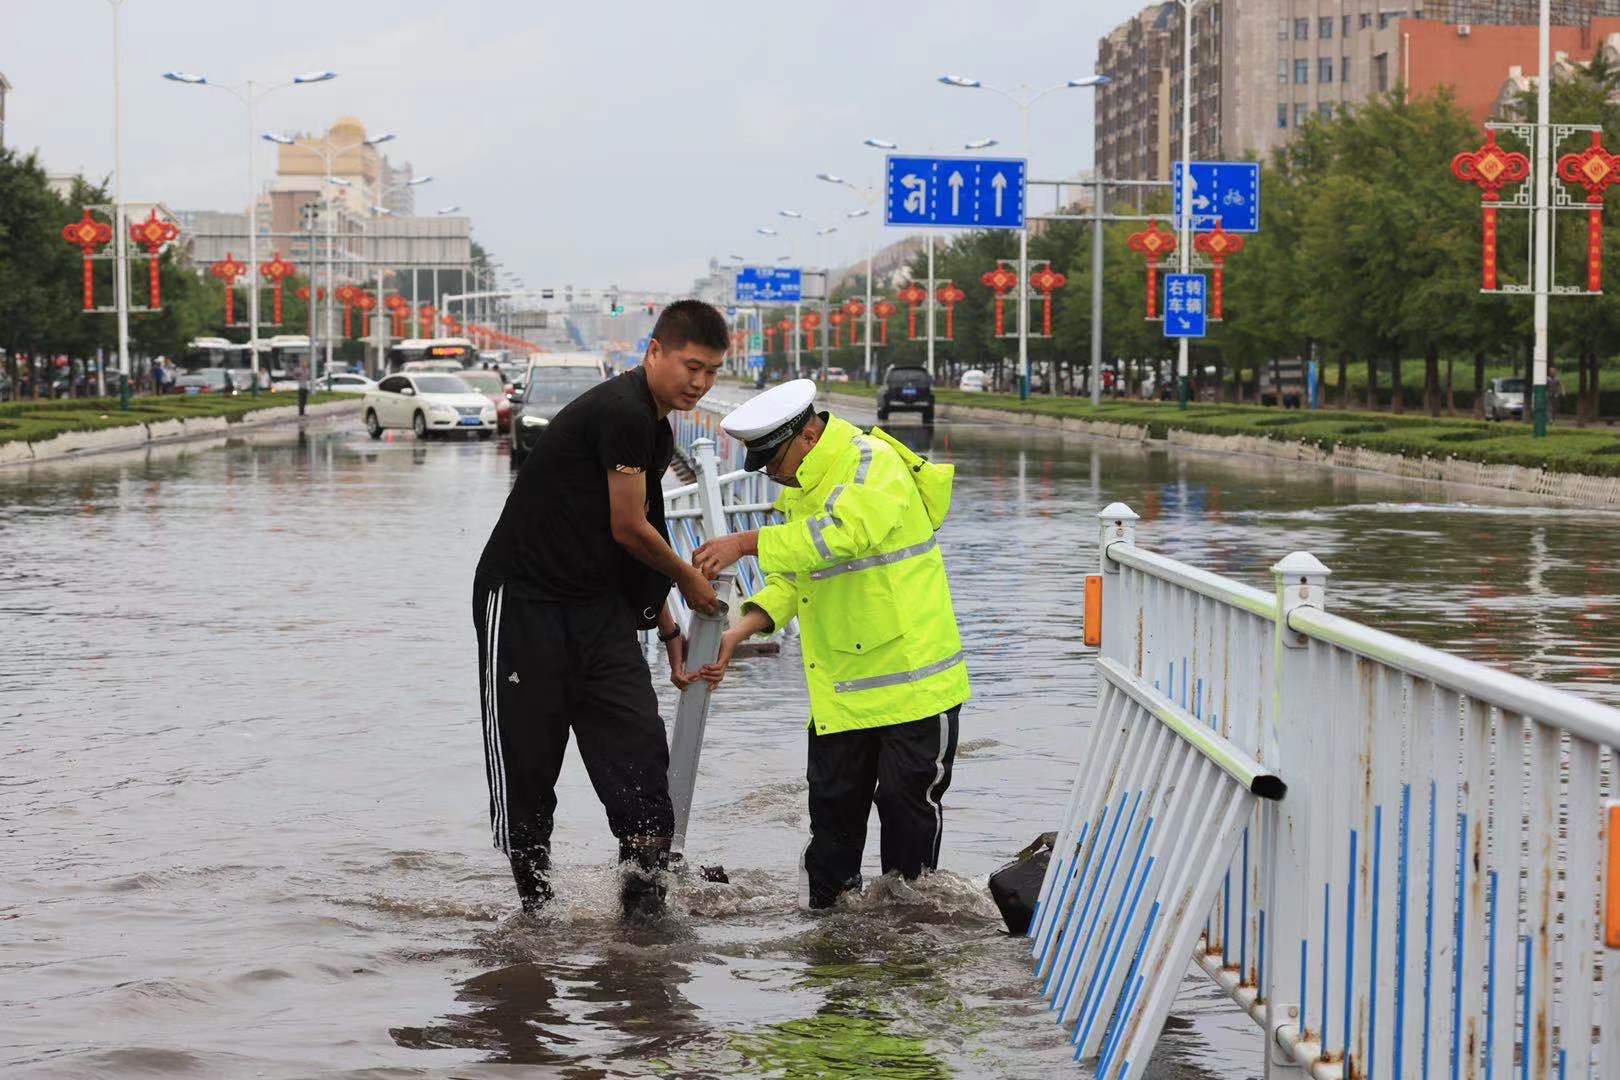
x,y
428,402
349,383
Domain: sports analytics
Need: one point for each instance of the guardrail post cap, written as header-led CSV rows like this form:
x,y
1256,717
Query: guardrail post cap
x,y
1117,511
1300,564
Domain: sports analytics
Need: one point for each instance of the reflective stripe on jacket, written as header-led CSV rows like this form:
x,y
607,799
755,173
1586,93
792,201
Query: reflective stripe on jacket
x,y
858,563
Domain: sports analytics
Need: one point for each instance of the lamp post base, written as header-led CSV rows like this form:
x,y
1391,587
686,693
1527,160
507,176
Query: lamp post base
x,y
1023,387
123,391
1538,412
1183,391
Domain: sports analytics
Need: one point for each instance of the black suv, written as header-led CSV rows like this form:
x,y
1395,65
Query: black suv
x,y
906,389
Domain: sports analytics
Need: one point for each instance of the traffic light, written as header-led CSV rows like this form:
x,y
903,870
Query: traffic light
x,y
615,309
652,309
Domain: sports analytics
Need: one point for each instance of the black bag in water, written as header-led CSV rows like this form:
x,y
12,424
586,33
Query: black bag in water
x,y
1016,886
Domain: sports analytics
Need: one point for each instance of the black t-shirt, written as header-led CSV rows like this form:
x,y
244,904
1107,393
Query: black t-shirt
x,y
554,541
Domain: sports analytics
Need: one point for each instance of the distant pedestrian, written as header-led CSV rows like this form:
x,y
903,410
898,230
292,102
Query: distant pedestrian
x,y
303,387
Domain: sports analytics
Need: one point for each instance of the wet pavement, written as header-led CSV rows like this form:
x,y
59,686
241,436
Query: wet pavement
x,y
243,800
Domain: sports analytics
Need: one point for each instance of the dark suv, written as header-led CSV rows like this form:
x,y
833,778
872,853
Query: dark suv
x,y
906,389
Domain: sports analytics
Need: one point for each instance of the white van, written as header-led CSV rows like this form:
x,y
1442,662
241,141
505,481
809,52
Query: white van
x,y
974,381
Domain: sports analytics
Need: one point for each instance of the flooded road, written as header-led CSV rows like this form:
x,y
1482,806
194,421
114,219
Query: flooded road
x,y
243,799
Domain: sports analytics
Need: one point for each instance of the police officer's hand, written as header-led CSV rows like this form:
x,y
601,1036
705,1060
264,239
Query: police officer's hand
x,y
715,672
699,594
719,554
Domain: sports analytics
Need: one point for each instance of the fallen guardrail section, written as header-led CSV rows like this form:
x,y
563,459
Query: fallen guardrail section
x,y
1398,862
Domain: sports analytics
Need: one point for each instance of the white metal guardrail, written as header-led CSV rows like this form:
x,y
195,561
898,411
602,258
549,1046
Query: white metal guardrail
x,y
1424,901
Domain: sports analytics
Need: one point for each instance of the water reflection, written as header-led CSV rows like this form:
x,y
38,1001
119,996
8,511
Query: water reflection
x,y
245,774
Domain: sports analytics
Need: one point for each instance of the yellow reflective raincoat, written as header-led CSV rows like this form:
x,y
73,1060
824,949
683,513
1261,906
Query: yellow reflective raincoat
x,y
858,563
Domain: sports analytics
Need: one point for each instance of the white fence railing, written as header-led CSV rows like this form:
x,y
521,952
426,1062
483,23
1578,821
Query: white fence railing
x,y
1424,901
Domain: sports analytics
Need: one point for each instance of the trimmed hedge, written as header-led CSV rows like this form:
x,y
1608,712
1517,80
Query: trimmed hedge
x,y
34,421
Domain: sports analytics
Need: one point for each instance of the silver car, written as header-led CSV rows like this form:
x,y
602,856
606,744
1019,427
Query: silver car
x,y
1504,398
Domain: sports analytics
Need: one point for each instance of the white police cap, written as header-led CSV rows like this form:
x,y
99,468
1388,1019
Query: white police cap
x,y
766,421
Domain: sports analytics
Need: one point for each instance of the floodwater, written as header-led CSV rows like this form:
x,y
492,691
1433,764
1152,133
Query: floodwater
x,y
242,785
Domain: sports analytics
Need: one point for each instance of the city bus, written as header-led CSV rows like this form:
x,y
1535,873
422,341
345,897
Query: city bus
x,y
287,352
213,352
446,350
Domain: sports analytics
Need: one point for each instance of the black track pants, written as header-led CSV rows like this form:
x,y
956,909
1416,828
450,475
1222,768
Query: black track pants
x,y
905,769
543,669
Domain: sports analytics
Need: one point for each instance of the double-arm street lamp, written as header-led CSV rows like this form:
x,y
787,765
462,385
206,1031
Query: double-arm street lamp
x,y
1024,102
249,95
869,198
327,155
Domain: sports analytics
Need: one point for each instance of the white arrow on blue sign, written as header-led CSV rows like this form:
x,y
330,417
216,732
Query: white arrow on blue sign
x,y
954,192
1222,191
1185,312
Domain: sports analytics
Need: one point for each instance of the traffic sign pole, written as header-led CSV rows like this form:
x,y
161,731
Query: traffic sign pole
x,y
1543,264
1184,220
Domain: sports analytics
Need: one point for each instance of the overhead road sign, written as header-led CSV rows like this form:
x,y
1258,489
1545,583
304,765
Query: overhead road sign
x,y
768,284
1222,191
954,192
1185,311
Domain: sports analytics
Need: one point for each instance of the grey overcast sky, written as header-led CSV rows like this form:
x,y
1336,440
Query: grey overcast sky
x,y
591,143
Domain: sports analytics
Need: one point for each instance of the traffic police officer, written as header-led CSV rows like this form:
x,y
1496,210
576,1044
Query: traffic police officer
x,y
857,562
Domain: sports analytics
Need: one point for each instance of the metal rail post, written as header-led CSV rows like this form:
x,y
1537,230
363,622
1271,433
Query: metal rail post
x,y
710,500
1301,581
691,715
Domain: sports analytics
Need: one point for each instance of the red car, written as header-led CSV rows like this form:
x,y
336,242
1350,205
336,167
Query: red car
x,y
493,386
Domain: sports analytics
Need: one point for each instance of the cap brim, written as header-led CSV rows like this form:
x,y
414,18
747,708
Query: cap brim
x,y
755,460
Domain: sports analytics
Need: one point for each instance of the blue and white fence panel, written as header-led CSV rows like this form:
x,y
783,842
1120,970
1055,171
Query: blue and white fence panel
x,y
1424,901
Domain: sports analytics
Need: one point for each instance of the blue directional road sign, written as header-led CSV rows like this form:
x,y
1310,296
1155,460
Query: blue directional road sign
x,y
764,284
1184,311
954,192
1223,191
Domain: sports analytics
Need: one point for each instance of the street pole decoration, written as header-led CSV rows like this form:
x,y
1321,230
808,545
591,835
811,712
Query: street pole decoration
x,y
397,307
950,294
89,236
228,270
451,326
912,296
1490,167
277,271
882,310
837,318
154,234
1046,281
769,334
785,326
1218,244
809,321
1153,245
854,309
366,302
1593,169
347,295
1001,281
424,323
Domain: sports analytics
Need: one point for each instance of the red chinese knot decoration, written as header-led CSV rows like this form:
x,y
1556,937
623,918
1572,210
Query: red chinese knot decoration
x,y
278,270
950,294
228,270
809,322
89,236
1218,244
1593,169
152,234
854,309
424,325
1001,281
785,325
1046,281
883,309
367,303
1491,168
398,308
1153,245
911,296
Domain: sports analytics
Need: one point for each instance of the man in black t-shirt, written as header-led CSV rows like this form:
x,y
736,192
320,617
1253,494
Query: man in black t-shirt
x,y
578,564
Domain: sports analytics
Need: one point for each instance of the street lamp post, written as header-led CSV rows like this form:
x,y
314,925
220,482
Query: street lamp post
x,y
822,231
379,329
249,98
120,233
1024,104
1184,219
327,156
870,199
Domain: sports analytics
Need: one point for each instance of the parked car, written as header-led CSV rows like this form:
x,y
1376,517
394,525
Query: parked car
x,y
492,386
1504,398
428,403
213,380
974,381
837,374
543,398
348,383
906,389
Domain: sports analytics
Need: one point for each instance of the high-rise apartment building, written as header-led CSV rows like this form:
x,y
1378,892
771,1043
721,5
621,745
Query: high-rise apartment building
x,y
1133,108
1262,68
